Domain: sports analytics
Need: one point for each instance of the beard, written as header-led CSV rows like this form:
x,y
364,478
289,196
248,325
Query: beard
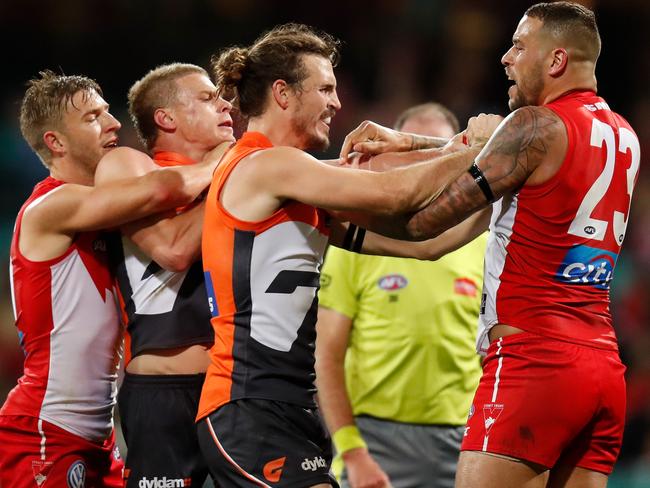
x,y
529,89
310,139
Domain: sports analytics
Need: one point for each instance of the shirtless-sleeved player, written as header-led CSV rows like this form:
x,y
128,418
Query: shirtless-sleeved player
x,y
179,117
263,241
56,426
550,408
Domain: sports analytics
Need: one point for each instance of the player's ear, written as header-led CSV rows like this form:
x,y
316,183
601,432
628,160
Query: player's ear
x,y
55,142
559,62
280,91
164,119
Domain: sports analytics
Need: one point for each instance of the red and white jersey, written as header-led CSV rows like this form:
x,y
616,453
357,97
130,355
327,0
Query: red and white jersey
x,y
68,324
553,247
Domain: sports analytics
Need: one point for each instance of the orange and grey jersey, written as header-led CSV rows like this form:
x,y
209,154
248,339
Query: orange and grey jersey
x,y
162,309
262,278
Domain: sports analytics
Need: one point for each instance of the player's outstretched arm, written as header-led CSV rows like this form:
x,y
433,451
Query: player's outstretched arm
x,y
348,236
372,138
528,147
49,224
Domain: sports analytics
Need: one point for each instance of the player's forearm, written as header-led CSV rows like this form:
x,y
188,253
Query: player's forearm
x,y
332,394
425,142
173,241
416,186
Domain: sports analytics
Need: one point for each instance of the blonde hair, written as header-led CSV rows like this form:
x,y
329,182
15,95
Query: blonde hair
x,y
45,103
155,90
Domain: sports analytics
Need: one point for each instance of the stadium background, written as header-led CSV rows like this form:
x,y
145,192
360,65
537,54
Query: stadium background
x,y
395,53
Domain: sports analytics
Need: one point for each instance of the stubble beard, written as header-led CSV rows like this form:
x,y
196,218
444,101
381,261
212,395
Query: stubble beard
x,y
311,141
534,85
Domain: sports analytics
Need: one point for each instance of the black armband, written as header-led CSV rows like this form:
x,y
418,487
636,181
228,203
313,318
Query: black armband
x,y
353,239
482,183
358,240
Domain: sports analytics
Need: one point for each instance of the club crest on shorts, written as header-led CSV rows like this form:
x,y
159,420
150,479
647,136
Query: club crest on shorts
x,y
491,412
273,469
77,475
40,470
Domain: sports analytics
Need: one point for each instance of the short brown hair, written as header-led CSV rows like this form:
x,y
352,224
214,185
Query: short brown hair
x,y
155,90
247,72
570,22
44,104
437,108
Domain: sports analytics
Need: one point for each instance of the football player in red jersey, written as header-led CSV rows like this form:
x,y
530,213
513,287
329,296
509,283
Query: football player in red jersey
x,y
56,426
550,408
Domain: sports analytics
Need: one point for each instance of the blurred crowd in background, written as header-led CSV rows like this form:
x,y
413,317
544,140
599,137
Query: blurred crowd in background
x,y
396,53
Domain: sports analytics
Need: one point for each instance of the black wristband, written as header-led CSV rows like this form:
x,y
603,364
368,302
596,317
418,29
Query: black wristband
x,y
358,241
482,183
349,237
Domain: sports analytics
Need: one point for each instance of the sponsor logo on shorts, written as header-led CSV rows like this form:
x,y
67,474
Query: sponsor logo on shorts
x,y
77,475
273,469
313,464
392,282
491,412
164,482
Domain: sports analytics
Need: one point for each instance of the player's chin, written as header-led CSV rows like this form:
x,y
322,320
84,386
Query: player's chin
x,y
226,132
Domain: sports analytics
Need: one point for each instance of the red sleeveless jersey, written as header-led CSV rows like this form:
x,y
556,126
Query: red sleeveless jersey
x,y
68,324
262,278
553,247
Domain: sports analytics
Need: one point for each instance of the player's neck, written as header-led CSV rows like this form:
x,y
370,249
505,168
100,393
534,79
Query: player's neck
x,y
277,131
578,82
188,149
63,169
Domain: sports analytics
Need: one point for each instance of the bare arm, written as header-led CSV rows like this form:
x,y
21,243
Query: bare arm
x,y
528,147
263,181
332,335
431,249
172,240
372,138
50,225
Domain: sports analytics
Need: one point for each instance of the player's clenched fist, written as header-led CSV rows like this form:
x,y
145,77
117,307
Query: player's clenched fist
x,y
481,127
372,138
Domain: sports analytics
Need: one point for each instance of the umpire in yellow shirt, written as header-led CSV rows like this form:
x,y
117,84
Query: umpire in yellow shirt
x,y
396,366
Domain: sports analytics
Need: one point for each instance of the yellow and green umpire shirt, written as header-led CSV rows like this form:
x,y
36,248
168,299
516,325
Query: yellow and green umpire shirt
x,y
411,355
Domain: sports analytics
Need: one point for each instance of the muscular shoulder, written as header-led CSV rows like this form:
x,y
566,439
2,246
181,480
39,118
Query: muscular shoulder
x,y
123,162
527,147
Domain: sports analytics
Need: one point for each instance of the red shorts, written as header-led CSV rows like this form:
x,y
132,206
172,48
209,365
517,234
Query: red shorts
x,y
53,457
548,401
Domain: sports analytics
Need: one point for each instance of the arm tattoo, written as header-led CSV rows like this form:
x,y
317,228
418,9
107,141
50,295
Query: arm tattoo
x,y
426,142
520,145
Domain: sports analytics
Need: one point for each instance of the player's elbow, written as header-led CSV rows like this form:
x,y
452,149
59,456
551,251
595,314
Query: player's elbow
x,y
173,259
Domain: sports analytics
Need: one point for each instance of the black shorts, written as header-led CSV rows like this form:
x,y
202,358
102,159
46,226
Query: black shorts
x,y
158,415
253,443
